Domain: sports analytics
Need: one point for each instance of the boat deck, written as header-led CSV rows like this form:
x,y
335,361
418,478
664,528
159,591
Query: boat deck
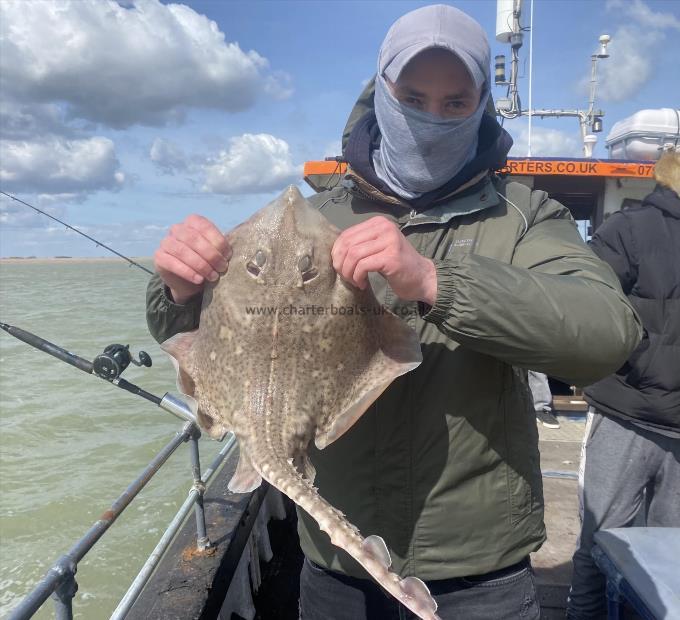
x,y
560,453
189,585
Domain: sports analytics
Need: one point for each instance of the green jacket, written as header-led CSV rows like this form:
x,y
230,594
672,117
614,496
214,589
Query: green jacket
x,y
445,464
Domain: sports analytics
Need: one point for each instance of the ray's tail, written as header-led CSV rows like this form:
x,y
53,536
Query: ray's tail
x,y
370,552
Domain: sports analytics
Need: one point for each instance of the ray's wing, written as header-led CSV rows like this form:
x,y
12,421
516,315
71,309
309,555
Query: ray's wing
x,y
178,349
181,349
245,478
381,352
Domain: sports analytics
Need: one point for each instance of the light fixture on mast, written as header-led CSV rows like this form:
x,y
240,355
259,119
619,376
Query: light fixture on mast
x,y
604,41
592,119
509,30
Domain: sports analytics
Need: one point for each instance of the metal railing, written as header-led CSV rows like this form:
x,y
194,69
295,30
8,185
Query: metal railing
x,y
59,582
154,558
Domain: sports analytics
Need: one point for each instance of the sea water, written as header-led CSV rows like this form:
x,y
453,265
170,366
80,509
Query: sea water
x,y
71,443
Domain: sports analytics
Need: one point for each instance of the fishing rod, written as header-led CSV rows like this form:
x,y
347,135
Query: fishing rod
x,y
80,232
108,365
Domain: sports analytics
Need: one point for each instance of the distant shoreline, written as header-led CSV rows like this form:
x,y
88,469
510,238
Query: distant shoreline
x,y
18,260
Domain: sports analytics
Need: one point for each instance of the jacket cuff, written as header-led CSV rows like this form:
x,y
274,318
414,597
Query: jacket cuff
x,y
192,305
446,289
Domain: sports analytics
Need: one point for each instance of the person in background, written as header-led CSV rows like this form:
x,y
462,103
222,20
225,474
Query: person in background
x,y
632,442
540,390
494,278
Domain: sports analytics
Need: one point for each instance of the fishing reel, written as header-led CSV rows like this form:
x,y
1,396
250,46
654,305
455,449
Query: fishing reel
x,y
115,359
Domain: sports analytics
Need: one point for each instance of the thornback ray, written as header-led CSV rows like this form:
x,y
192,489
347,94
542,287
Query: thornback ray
x,y
288,352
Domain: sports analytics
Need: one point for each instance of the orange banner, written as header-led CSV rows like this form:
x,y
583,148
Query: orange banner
x,y
534,166
579,167
324,167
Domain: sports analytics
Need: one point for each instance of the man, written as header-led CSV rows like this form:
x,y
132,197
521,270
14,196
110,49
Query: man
x,y
494,278
540,391
632,447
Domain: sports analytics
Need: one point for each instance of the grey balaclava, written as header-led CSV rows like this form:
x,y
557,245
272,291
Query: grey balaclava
x,y
420,152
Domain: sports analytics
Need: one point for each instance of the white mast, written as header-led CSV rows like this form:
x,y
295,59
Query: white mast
x,y
531,60
509,30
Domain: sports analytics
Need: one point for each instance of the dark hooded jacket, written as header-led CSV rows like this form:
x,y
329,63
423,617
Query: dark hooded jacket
x,y
444,464
642,245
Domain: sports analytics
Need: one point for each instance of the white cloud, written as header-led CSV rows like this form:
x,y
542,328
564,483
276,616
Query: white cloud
x,y
629,66
122,65
40,153
133,239
21,121
253,163
45,200
632,49
638,11
58,165
120,234
167,156
16,215
545,143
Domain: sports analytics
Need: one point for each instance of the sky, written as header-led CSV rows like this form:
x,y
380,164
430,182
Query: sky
x,y
122,118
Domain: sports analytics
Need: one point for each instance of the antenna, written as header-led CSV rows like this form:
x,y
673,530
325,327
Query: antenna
x,y
509,30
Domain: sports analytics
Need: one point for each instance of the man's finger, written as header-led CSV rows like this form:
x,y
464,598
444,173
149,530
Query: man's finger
x,y
375,228
206,228
374,262
358,252
168,265
186,255
199,244
344,242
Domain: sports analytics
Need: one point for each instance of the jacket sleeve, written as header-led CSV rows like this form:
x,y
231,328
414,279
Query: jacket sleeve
x,y
555,308
613,243
164,317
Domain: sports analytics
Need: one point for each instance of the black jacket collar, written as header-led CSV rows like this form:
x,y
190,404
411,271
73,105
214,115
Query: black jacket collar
x,y
665,199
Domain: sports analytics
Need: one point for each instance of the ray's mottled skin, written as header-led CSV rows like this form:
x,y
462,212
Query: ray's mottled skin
x,y
288,352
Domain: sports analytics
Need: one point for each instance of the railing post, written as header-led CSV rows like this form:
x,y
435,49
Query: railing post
x,y
63,594
65,568
202,540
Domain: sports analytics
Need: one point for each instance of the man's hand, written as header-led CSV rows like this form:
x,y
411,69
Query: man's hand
x,y
378,245
192,252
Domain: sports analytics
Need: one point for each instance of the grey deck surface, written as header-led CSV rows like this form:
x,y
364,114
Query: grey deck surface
x,y
560,452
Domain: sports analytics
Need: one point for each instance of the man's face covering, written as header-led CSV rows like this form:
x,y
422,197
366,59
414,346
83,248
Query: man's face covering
x,y
429,129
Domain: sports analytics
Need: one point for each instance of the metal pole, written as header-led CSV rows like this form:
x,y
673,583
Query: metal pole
x,y
516,42
587,117
202,540
593,82
152,561
67,565
531,59
583,123
65,591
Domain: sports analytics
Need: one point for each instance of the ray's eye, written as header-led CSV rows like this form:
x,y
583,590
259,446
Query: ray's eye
x,y
305,263
255,265
307,269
